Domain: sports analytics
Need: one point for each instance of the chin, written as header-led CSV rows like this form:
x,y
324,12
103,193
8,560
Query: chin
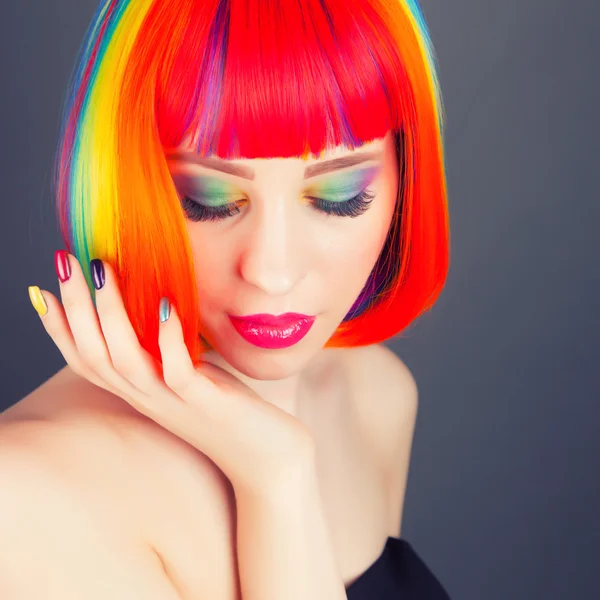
x,y
271,370
267,365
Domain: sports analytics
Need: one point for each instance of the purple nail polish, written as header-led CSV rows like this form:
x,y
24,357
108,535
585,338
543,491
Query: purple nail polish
x,y
98,275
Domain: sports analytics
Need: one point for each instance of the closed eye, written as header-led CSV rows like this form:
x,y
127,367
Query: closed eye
x,y
353,207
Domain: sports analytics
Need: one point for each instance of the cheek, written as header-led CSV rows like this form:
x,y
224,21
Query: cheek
x,y
347,263
210,261
350,258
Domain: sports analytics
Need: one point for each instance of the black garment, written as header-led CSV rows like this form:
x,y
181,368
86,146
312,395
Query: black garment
x,y
398,574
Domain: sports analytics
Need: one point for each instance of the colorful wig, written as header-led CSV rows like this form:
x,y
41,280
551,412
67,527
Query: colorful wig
x,y
250,79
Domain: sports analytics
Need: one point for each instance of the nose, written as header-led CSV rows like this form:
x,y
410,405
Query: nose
x,y
272,258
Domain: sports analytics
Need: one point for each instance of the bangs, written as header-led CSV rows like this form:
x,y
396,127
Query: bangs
x,y
277,79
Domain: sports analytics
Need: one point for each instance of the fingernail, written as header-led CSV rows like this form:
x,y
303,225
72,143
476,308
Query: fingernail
x,y
164,309
35,295
62,266
98,274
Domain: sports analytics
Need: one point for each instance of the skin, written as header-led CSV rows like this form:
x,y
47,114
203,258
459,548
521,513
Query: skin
x,y
67,424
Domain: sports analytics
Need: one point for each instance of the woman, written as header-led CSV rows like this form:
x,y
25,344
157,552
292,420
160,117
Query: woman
x,y
252,198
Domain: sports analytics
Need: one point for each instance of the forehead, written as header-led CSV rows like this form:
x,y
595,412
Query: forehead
x,y
376,145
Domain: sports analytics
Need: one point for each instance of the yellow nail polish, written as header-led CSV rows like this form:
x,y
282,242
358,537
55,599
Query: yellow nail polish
x,y
37,300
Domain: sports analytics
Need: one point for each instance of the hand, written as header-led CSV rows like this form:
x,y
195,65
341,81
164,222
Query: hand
x,y
257,445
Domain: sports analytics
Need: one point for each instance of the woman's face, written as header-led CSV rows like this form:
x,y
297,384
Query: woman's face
x,y
267,238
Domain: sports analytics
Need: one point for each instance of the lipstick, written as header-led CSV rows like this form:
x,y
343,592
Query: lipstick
x,y
273,331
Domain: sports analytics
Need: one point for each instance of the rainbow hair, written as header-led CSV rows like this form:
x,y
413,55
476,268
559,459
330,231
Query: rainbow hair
x,y
252,79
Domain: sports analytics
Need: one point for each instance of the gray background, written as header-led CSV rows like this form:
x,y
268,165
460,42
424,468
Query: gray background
x,y
503,491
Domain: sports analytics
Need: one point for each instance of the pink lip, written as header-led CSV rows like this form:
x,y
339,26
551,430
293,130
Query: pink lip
x,y
273,331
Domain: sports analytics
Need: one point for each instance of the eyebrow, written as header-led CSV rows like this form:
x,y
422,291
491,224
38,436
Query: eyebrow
x,y
246,172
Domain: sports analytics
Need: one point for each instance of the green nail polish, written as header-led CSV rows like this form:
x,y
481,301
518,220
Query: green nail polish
x,y
164,309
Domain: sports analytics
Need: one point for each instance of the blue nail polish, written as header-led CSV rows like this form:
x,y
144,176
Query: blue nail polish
x,y
164,309
98,274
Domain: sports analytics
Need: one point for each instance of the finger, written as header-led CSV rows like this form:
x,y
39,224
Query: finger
x,y
178,369
81,316
56,325
87,333
193,388
129,359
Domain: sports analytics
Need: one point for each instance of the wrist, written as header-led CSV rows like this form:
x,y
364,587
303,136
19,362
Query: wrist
x,y
290,483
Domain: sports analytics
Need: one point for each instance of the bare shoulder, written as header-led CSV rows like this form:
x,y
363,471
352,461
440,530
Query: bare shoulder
x,y
386,397
68,427
381,362
147,498
80,455
386,405
52,530
95,441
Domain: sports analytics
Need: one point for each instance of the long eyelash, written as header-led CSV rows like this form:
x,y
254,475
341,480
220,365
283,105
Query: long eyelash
x,y
349,208
198,212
